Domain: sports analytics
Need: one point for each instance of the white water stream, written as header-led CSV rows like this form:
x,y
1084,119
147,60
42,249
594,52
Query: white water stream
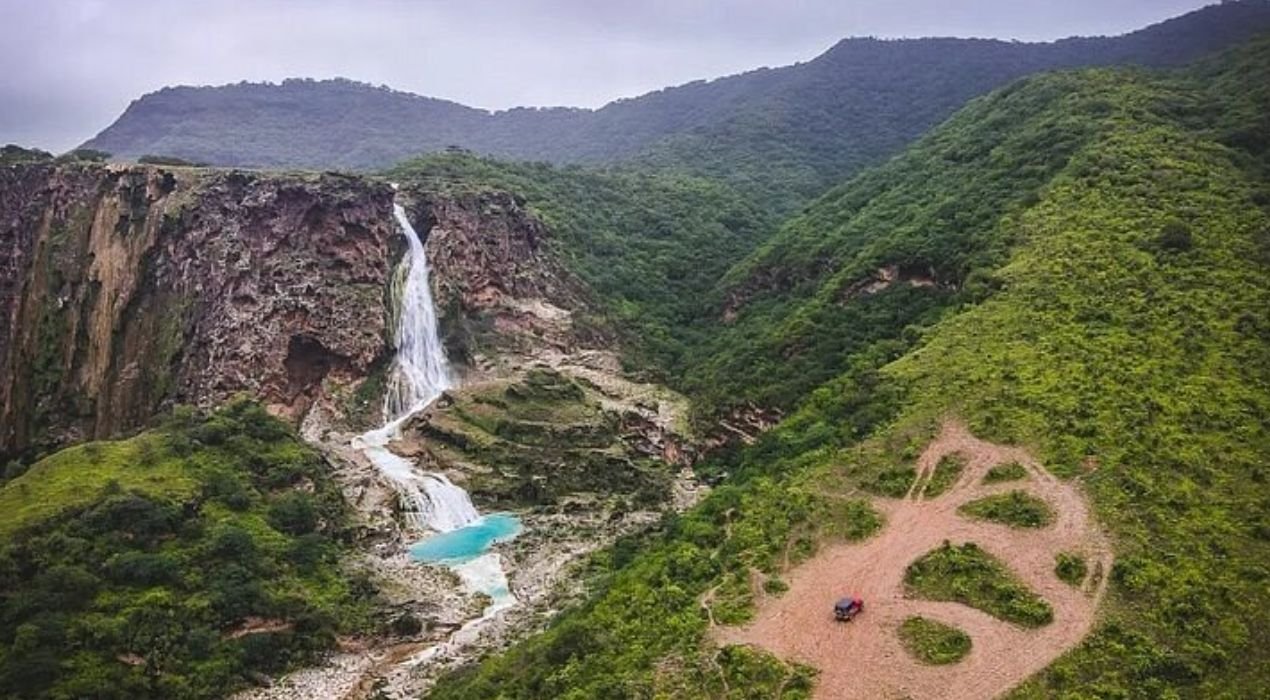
x,y
420,374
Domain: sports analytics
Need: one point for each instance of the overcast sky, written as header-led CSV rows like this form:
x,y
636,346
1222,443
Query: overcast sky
x,y
69,67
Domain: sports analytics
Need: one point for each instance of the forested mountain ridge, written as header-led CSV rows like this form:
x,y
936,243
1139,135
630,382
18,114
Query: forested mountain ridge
x,y
1117,330
925,232
783,134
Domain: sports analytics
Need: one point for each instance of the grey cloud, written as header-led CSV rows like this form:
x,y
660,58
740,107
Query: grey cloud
x,y
68,67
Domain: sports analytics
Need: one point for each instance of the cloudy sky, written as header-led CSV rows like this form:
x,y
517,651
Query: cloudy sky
x,y
69,67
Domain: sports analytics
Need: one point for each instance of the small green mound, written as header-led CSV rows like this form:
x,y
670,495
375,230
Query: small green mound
x,y
77,476
1005,472
1070,568
946,473
934,642
1015,508
970,576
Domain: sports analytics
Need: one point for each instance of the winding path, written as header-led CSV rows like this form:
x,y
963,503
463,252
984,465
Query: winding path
x,y
864,658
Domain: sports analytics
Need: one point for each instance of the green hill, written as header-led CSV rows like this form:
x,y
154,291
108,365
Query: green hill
x,y
890,252
174,564
1089,252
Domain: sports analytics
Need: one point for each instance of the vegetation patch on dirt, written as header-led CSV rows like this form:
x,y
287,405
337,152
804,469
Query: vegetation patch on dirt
x,y
1070,568
933,642
1014,508
1005,472
946,473
968,575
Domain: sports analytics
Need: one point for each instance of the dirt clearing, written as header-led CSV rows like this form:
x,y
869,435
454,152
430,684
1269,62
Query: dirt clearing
x,y
864,658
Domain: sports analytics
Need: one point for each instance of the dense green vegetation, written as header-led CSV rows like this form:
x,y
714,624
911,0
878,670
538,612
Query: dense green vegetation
x,y
1005,472
933,642
938,219
649,246
1070,568
1081,321
171,564
1014,508
966,574
11,154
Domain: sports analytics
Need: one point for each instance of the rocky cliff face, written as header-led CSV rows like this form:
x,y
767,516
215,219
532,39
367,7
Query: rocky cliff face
x,y
128,289
498,286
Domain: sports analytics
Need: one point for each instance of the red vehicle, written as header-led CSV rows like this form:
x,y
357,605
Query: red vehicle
x,y
847,608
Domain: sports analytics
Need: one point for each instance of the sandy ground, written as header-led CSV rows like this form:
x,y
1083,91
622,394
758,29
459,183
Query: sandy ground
x,y
864,658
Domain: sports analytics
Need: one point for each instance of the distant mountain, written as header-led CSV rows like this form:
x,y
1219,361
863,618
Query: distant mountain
x,y
789,132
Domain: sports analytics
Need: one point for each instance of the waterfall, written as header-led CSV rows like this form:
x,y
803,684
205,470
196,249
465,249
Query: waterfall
x,y
420,374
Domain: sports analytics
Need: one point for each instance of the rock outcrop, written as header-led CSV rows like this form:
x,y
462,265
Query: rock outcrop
x,y
497,284
127,289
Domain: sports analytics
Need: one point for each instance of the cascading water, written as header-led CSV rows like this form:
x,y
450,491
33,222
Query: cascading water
x,y
421,371
419,375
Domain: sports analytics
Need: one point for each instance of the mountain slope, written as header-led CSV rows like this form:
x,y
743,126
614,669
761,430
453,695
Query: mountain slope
x,y
1120,335
783,133
924,233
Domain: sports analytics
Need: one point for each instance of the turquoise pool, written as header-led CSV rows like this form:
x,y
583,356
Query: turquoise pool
x,y
467,543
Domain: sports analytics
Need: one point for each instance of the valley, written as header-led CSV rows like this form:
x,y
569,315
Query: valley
x,y
443,403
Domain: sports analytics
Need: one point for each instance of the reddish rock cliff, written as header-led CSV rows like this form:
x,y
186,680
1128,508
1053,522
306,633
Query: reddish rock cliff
x,y
497,283
126,289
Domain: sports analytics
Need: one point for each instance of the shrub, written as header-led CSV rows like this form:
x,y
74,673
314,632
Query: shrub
x,y
945,475
1012,471
933,642
893,482
406,625
1070,568
294,513
775,586
1175,236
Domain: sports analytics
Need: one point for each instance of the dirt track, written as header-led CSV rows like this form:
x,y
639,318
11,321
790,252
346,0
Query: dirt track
x,y
864,658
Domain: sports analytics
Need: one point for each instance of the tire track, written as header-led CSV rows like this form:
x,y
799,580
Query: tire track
x,y
864,658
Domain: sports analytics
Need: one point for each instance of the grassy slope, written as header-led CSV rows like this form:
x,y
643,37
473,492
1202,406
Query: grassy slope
x,y
76,476
941,209
1111,349
125,566
1148,366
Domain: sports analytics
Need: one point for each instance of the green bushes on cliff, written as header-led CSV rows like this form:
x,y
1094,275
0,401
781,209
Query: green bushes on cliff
x,y
172,564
